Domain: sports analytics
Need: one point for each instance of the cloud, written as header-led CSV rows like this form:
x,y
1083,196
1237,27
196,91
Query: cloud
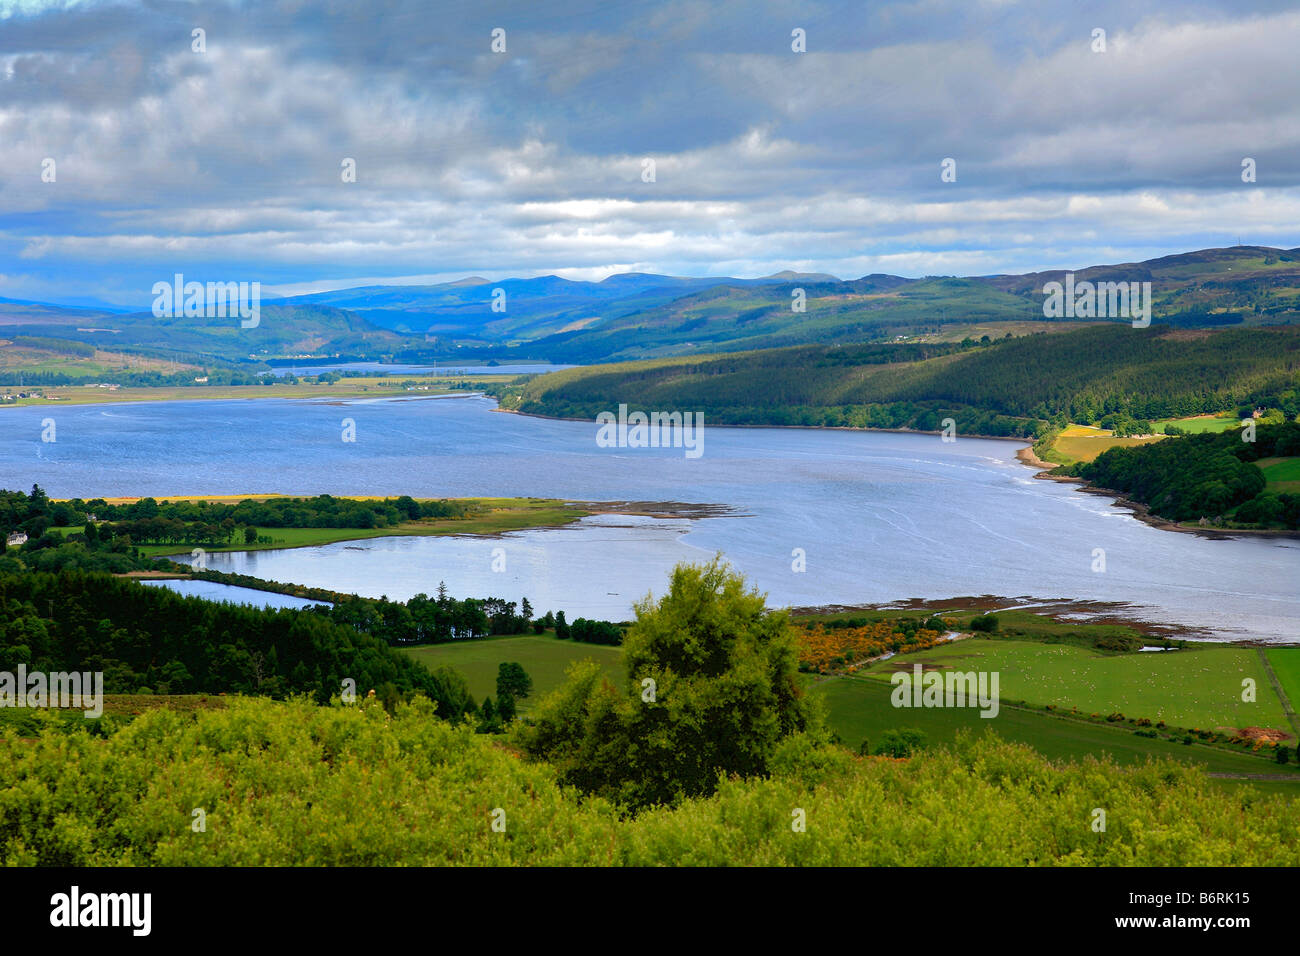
x,y
228,161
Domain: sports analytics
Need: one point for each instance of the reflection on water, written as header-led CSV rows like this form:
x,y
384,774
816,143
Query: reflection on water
x,y
232,594
879,516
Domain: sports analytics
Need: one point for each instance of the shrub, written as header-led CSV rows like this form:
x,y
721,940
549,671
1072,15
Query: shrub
x,y
900,743
725,694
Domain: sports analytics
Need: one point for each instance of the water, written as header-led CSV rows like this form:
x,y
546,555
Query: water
x,y
232,594
878,516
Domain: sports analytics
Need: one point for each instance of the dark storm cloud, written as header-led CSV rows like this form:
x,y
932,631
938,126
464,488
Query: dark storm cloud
x,y
530,161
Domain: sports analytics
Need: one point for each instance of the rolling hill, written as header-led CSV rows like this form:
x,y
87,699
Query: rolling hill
x,y
1015,386
634,316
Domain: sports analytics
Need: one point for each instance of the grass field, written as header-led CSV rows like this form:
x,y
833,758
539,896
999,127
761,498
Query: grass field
x,y
956,332
543,656
860,708
503,514
1084,442
1011,622
1285,662
29,358
1087,446
1199,423
1199,687
368,387
1283,474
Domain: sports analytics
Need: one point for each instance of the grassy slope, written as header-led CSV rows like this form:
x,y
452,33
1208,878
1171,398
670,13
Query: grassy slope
x,y
1283,474
861,708
1069,448
1199,687
1147,368
1285,662
1257,284
543,656
1200,423
42,359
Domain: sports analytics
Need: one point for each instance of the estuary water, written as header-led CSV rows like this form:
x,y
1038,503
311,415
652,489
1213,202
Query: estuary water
x,y
816,516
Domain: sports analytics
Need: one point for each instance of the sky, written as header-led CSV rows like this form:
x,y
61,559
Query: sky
x,y
226,163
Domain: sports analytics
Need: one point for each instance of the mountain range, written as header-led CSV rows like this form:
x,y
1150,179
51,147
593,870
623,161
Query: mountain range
x,y
642,315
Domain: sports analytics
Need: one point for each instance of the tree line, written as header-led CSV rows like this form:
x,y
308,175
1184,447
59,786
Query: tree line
x,y
152,640
1190,477
1008,387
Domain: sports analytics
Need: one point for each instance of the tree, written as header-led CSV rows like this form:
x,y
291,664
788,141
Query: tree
x,y
561,626
1283,755
250,535
711,689
900,743
506,706
489,720
513,679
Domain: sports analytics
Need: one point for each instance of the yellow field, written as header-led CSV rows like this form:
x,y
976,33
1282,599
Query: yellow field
x,y
1087,448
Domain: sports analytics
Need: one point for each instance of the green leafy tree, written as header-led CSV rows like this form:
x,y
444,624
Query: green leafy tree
x,y
506,707
900,743
513,679
712,689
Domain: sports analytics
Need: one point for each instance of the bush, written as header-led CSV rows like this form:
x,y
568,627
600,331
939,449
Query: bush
x,y
985,622
726,692
900,743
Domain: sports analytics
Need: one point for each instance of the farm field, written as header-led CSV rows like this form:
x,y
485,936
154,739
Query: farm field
x,y
1199,423
544,656
1285,662
860,708
1198,687
1085,444
1283,474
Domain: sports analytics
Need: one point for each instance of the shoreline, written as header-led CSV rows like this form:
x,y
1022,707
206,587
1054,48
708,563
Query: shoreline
x,y
824,428
1025,456
127,395
571,510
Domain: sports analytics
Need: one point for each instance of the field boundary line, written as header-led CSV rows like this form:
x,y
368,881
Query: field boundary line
x,y
1068,717
1277,688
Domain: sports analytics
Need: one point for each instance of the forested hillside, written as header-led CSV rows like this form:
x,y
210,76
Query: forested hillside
x,y
1204,476
141,637
1005,387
